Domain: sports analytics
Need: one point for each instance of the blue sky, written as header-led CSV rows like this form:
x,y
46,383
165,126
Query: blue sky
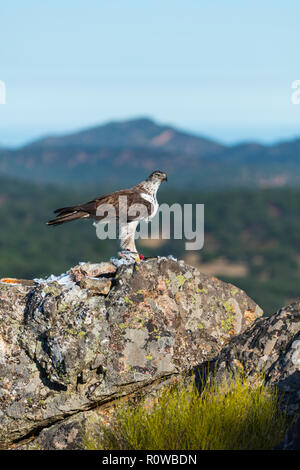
x,y
223,69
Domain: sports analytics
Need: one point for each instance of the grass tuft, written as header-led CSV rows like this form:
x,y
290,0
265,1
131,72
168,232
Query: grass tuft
x,y
236,416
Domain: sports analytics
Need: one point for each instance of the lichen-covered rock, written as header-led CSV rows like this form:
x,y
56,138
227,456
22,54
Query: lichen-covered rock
x,y
92,270
65,349
98,286
271,347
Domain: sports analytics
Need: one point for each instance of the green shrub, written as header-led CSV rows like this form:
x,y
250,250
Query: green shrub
x,y
233,416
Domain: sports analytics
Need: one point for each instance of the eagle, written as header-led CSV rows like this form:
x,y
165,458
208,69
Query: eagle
x,y
131,206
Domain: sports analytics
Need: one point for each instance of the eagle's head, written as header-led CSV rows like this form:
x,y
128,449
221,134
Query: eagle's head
x,y
157,176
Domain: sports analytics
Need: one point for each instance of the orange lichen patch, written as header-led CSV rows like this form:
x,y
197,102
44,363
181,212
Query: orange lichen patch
x,y
250,315
11,280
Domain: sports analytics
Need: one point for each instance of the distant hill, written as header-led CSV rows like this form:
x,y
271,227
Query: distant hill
x,y
135,134
118,154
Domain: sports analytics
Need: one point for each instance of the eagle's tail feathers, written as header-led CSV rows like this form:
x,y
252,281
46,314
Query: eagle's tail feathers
x,y
65,210
67,217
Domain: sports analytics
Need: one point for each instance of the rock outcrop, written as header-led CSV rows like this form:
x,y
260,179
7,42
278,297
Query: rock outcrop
x,y
270,347
70,345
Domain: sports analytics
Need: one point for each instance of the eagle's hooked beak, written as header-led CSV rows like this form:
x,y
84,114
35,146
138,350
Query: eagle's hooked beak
x,y
165,178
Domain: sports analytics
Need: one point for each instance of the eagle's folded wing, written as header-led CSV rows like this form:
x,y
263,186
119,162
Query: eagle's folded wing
x,y
124,203
130,205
